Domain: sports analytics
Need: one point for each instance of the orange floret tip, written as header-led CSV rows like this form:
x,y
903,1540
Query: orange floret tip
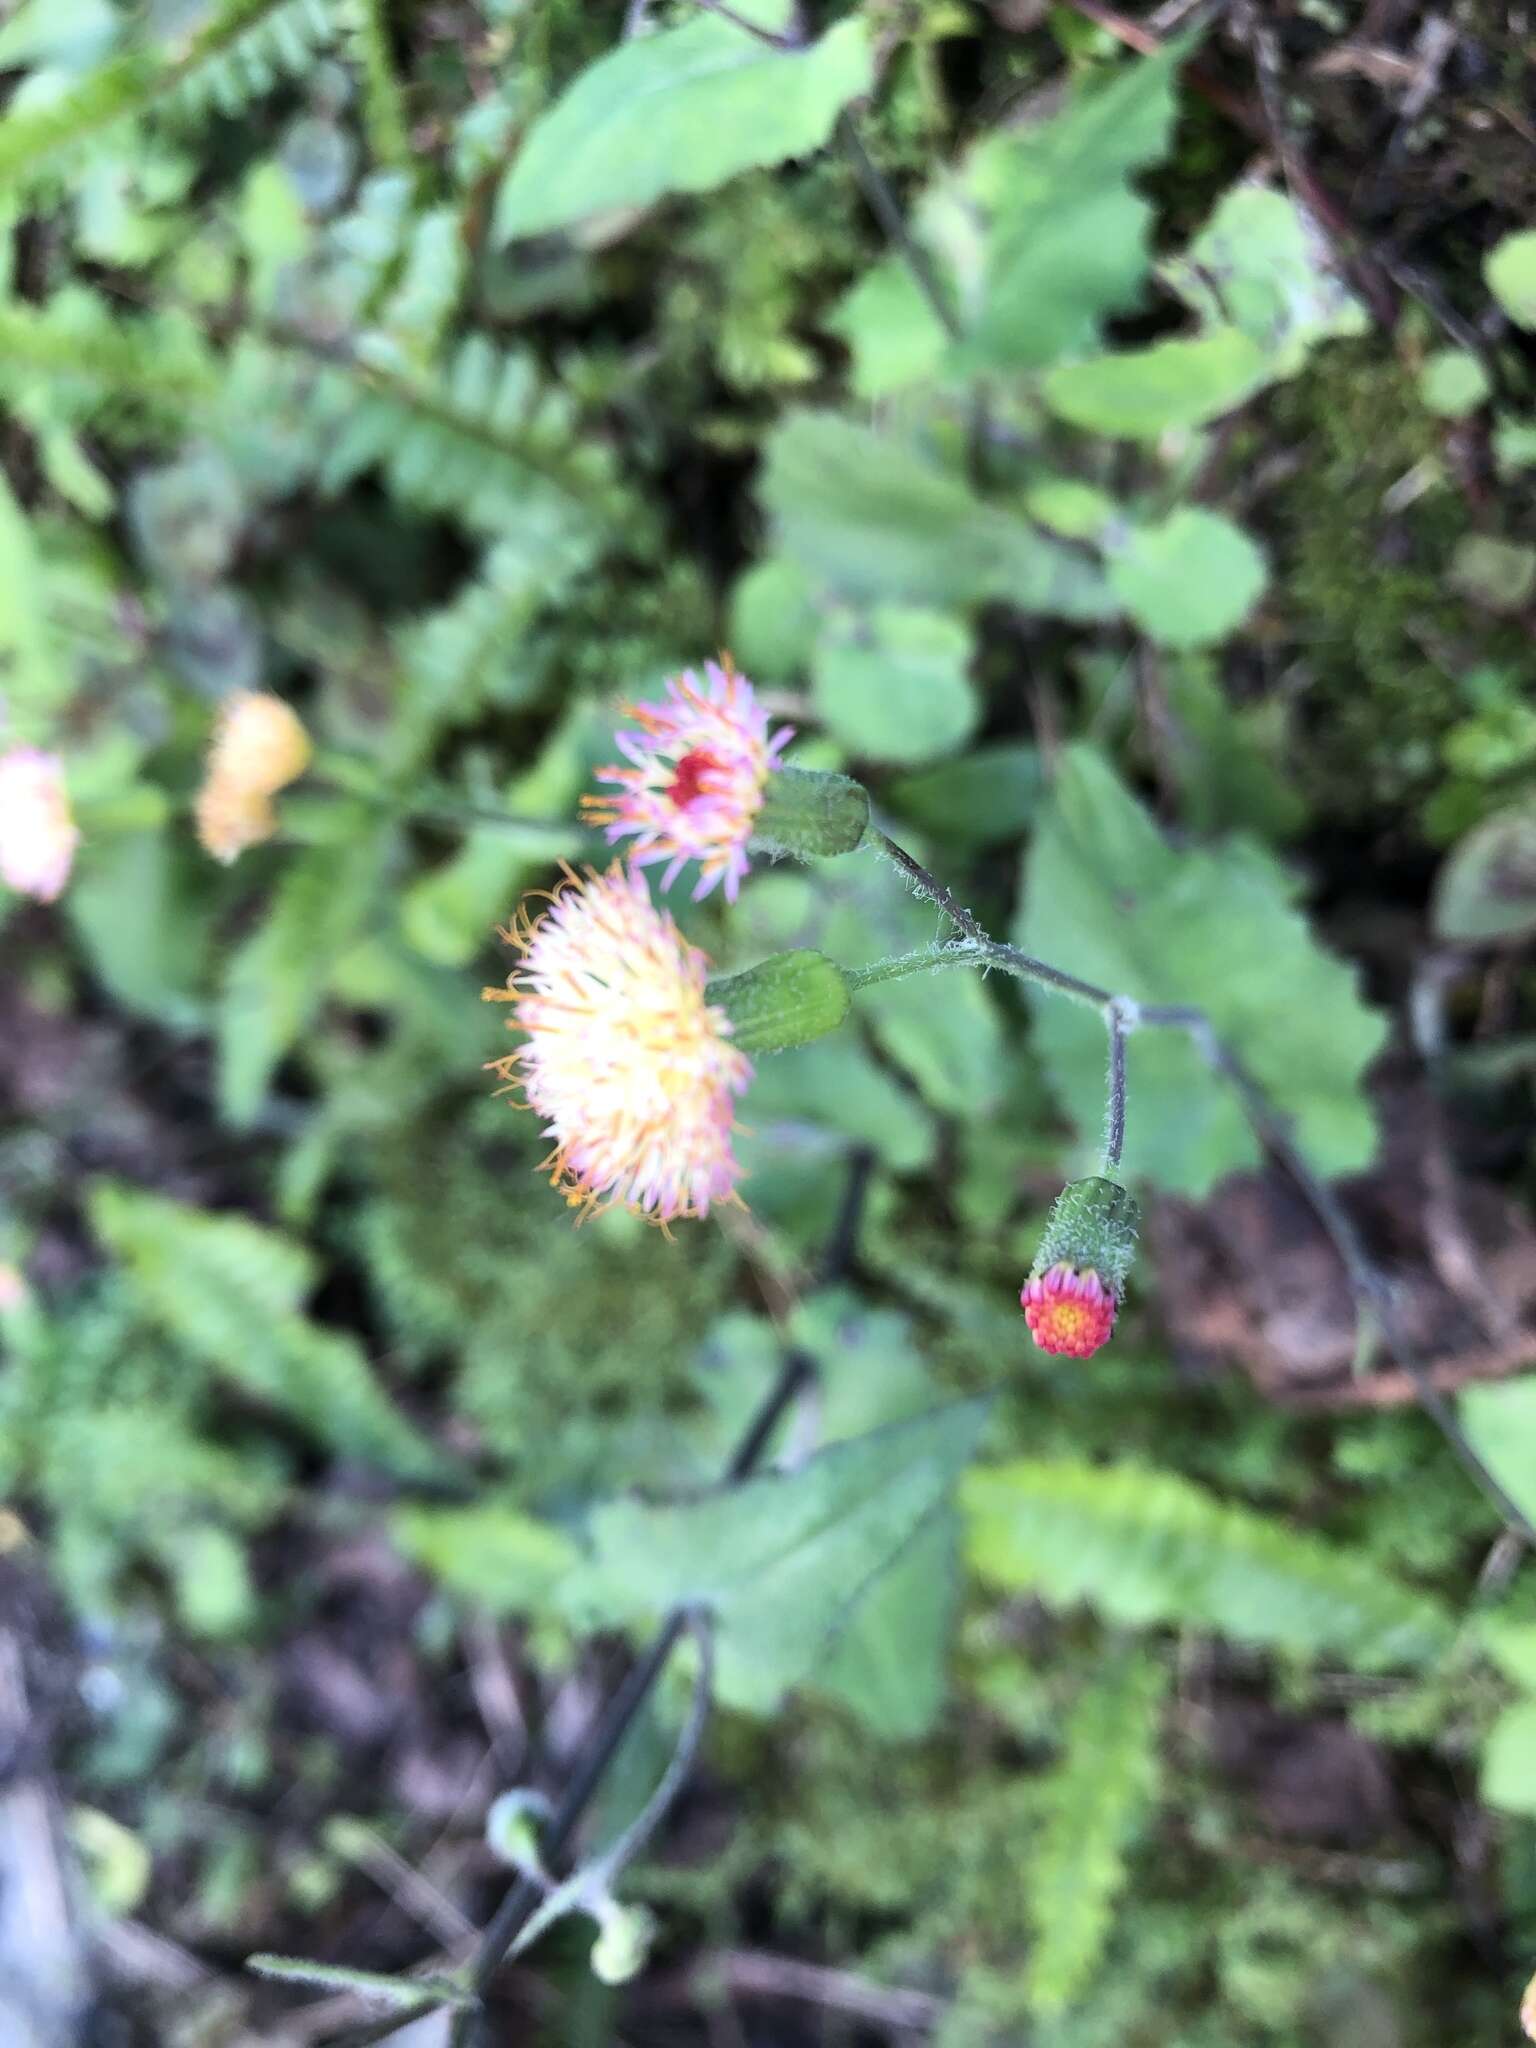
x,y
1069,1310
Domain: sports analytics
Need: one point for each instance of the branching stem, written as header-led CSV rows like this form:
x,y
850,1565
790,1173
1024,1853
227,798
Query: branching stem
x,y
1372,1290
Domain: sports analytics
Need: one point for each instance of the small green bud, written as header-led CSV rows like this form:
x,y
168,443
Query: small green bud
x,y
787,999
811,815
623,1941
1093,1223
511,1829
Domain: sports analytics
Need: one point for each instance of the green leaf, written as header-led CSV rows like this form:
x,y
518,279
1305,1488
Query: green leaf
x,y
1498,574
865,513
1189,580
1486,890
1067,242
1138,394
1229,761
1106,897
1509,1755
1512,1646
1453,383
277,978
895,337
1261,264
1510,268
141,905
774,618
889,1664
781,1561
1151,1548
681,110
230,1291
834,1083
33,679
894,687
1095,1797
495,1556
990,794
1501,1424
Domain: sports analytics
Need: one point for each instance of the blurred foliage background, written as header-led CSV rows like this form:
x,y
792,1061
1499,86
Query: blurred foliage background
x,y
1143,511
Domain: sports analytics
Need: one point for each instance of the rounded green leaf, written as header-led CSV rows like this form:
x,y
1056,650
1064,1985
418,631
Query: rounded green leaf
x,y
1510,269
1190,580
1453,383
1141,393
899,692
1487,888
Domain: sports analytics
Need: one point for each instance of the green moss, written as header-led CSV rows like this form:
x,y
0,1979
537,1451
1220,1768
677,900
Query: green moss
x,y
1363,587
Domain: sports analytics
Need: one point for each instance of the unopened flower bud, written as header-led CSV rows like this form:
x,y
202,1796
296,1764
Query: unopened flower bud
x,y
512,1829
787,999
812,815
623,1941
1073,1292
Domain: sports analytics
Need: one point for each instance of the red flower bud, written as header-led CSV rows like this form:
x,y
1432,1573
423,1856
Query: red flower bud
x,y
1069,1311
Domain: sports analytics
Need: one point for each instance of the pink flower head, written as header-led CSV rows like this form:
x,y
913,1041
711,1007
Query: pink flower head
x,y
1069,1310
694,785
37,828
626,1062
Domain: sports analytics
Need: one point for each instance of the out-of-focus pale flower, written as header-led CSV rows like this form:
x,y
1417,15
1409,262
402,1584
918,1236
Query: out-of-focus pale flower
x,y
1528,2011
14,1291
259,747
37,829
698,765
626,1063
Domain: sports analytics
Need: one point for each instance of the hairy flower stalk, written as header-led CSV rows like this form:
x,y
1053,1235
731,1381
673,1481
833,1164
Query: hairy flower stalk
x,y
259,746
698,765
37,828
626,1061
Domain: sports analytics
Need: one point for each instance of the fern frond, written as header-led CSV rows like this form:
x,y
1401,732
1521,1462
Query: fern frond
x,y
472,441
273,43
229,1291
1095,1796
241,52
92,359
384,120
469,440
471,652
1145,1547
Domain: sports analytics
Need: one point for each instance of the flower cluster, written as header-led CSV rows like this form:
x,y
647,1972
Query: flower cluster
x,y
634,1062
259,747
37,828
698,764
624,1059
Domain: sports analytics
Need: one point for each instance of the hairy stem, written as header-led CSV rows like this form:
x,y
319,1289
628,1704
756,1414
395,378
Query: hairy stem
x,y
1370,1287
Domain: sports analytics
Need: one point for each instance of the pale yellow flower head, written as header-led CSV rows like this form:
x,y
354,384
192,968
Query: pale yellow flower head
x,y
259,747
625,1061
